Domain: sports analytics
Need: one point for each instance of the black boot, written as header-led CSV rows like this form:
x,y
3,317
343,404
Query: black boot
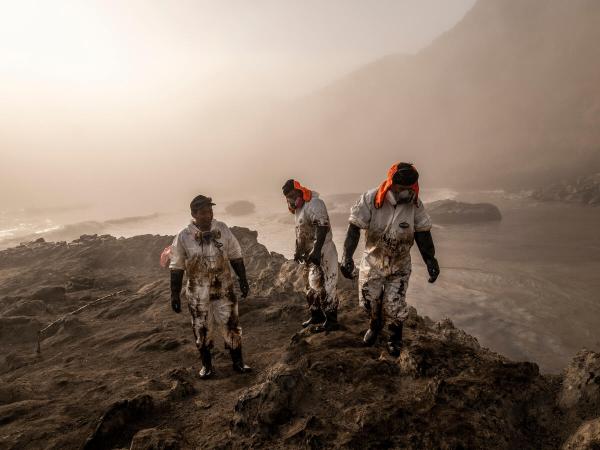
x,y
207,369
330,324
372,333
370,336
394,343
238,360
316,317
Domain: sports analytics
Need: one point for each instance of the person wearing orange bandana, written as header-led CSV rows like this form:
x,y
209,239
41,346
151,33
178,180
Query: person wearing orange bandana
x,y
394,218
316,250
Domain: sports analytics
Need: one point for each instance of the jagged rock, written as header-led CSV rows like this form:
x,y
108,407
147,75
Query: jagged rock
x,y
271,403
182,385
580,392
156,439
587,437
240,208
448,331
453,212
118,421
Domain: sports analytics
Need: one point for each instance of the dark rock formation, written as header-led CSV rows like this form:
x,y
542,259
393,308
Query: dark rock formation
x,y
240,208
584,190
453,212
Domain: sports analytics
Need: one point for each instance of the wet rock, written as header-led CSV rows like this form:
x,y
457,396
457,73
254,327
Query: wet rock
x,y
16,410
50,293
453,212
587,437
27,308
15,392
79,284
240,208
118,422
19,329
580,391
158,343
271,403
156,439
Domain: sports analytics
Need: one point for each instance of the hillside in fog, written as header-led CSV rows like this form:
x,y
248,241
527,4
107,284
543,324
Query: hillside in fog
x,y
508,97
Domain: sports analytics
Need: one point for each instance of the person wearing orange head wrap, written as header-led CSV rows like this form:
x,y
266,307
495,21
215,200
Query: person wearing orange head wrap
x,y
394,218
316,250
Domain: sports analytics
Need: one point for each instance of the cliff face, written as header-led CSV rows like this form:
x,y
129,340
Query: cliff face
x,y
122,372
508,96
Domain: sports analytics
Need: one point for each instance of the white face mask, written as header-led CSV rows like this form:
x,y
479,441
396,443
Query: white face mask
x,y
404,196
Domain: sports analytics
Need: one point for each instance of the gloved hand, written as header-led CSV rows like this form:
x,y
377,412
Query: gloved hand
x,y
244,287
347,268
434,270
299,257
176,303
314,257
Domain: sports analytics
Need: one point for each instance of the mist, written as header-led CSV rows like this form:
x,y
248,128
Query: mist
x,y
149,102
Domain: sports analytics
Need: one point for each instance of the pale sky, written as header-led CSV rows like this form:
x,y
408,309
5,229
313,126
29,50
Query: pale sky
x,y
88,87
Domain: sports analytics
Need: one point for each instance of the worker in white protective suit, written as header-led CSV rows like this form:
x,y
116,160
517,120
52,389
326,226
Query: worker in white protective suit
x,y
206,250
316,250
394,218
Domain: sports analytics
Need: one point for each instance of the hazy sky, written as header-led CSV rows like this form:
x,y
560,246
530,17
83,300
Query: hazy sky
x,y
90,89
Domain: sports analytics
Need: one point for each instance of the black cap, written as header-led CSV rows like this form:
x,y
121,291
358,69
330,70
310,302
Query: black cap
x,y
288,187
200,201
406,175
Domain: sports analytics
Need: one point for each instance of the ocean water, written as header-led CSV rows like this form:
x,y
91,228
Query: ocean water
x,y
527,286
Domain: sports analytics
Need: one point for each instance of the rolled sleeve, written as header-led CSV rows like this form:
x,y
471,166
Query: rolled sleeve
x,y
178,254
360,213
422,218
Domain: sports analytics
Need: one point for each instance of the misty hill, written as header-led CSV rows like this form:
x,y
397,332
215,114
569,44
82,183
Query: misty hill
x,y
509,95
122,372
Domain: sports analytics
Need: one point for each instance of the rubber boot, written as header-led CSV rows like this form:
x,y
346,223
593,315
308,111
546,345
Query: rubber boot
x,y
316,317
372,333
207,368
330,324
394,343
238,360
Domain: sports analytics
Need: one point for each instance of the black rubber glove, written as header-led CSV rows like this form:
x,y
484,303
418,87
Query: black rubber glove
x,y
434,270
350,244
176,284
240,270
315,255
424,241
299,257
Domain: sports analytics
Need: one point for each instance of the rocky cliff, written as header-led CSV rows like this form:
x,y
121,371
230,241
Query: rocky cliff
x,y
121,373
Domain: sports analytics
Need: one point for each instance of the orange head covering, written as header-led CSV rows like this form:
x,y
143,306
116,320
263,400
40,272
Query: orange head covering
x,y
387,184
306,193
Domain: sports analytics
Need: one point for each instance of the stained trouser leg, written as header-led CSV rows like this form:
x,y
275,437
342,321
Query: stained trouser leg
x,y
329,302
313,295
370,298
199,313
226,314
395,307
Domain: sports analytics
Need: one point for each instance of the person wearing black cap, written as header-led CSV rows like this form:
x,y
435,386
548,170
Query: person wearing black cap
x,y
205,250
394,218
316,250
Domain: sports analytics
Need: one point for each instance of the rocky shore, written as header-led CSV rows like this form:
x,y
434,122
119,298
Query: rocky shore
x,y
121,373
584,190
